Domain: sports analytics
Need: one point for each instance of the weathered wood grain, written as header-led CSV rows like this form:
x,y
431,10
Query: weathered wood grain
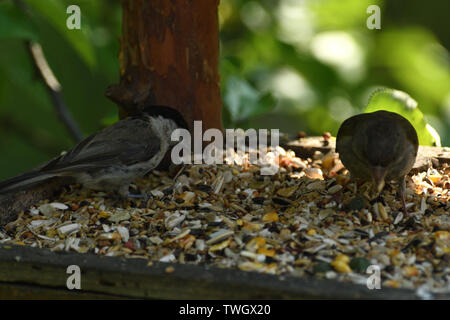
x,y
44,272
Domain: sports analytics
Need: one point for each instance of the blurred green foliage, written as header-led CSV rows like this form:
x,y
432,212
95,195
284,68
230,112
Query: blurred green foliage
x,y
288,64
321,63
84,61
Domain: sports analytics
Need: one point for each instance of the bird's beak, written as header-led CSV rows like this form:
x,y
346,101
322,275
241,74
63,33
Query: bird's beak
x,y
378,174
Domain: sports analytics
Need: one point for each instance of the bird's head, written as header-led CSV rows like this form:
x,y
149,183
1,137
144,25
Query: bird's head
x,y
378,177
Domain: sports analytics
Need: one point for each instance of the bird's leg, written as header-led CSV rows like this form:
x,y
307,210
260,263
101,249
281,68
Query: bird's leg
x,y
402,191
125,193
179,172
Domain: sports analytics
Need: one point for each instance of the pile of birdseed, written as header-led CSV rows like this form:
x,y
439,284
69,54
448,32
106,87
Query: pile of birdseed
x,y
308,220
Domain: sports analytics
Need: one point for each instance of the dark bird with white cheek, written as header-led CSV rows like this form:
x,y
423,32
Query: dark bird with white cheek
x,y
112,158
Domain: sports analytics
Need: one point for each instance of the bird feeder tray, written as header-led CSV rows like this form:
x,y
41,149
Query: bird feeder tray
x,y
37,273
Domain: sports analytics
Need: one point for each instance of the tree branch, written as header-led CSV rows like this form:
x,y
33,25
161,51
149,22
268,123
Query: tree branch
x,y
54,89
50,81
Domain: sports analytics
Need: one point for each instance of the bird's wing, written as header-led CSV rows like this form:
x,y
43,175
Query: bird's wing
x,y
410,132
126,142
348,145
345,134
402,146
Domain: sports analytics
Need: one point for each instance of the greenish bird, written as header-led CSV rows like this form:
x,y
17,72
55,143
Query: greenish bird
x,y
378,147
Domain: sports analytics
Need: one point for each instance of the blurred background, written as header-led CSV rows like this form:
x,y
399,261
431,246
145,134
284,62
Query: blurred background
x,y
288,64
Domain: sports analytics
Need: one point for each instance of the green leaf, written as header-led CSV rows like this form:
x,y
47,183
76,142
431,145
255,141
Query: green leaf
x,y
13,24
17,69
54,12
244,102
239,94
320,120
418,62
265,103
400,102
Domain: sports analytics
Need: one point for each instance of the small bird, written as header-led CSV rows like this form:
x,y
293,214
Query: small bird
x,y
377,147
112,158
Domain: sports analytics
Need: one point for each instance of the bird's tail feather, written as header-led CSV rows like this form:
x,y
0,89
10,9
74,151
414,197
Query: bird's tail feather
x,y
23,181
